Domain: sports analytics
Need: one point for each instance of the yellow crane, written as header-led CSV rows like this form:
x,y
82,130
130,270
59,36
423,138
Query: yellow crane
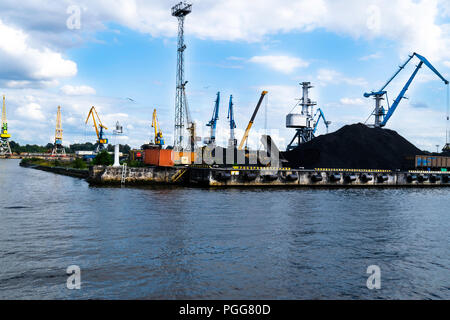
x,y
159,140
101,141
250,123
5,149
58,148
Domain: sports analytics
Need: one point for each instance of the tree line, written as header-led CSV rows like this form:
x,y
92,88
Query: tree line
x,y
88,146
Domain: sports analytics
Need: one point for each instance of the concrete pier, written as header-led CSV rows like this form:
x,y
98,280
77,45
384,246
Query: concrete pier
x,y
267,176
143,175
255,176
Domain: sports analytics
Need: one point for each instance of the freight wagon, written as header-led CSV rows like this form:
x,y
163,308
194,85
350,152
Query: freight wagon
x,y
432,162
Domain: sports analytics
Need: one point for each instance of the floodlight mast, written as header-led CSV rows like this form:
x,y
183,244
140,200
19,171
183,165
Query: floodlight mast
x,y
180,11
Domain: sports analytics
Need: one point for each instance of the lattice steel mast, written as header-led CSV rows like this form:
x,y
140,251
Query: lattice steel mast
x,y
180,11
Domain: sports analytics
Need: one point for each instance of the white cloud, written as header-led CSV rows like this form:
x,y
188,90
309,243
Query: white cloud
x,y
77,90
329,76
422,29
352,101
372,56
447,64
22,62
241,20
31,111
283,64
233,58
17,84
424,127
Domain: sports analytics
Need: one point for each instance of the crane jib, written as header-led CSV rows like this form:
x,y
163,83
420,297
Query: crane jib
x,y
380,93
250,123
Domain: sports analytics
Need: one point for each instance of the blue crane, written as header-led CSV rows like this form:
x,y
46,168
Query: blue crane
x,y
213,122
321,116
232,143
381,116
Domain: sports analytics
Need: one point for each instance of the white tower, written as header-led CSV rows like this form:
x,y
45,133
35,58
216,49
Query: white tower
x,y
117,132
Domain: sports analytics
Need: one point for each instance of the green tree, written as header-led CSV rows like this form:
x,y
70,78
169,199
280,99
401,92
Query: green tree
x,y
103,159
125,149
82,146
79,164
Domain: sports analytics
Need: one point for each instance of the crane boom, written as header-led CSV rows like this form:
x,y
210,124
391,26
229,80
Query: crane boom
x,y
101,141
381,118
232,142
4,129
5,148
159,140
58,148
401,95
58,130
250,123
321,115
191,127
213,122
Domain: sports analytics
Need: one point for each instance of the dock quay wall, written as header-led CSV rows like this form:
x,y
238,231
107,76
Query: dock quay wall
x,y
266,176
139,175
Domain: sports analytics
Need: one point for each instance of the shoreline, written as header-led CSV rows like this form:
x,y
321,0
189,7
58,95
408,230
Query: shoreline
x,y
72,172
251,177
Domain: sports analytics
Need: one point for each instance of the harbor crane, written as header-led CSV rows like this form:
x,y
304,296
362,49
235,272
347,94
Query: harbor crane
x,y
101,140
5,148
250,123
191,126
213,122
159,140
321,116
381,115
305,122
58,148
232,142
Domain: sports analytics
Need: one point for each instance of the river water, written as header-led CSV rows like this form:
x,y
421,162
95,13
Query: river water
x,y
173,243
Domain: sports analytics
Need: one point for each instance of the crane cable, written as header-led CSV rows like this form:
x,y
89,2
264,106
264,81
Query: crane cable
x,y
265,114
85,132
448,115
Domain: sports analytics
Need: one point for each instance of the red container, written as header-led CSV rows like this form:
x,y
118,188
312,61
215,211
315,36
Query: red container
x,y
165,158
158,157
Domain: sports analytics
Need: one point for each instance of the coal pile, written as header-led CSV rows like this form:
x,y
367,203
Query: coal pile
x,y
355,146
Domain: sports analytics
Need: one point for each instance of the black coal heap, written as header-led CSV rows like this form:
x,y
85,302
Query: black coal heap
x,y
355,146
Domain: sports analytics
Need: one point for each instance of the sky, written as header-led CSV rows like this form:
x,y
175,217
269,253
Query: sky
x,y
120,56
